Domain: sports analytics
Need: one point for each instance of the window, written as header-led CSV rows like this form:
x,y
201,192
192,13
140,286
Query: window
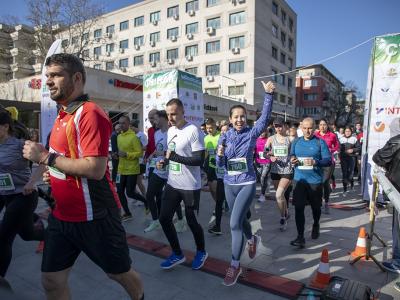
x,y
237,18
282,99
138,60
290,62
290,101
110,47
74,40
214,91
274,72
97,66
212,47
283,58
154,57
212,2
192,5
192,28
109,65
283,17
123,25
310,97
138,40
192,70
290,45
274,52
236,42
110,29
124,44
281,79
155,16
85,53
85,36
173,54
236,90
64,43
275,8
172,32
97,51
139,21
310,82
191,50
155,36
214,23
283,38
291,24
236,67
310,110
212,70
173,11
123,63
289,83
97,33
275,30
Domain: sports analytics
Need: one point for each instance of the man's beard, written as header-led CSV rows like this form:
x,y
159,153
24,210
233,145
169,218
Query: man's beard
x,y
63,93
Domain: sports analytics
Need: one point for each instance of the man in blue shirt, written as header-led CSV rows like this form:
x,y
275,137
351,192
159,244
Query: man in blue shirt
x,y
308,154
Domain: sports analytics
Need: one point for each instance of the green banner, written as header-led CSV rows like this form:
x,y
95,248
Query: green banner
x,y
161,80
387,49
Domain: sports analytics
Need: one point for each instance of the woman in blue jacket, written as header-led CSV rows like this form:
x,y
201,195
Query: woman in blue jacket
x,y
235,154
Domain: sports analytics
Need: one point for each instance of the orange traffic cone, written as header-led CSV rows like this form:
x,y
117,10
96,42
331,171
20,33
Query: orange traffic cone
x,y
322,277
361,247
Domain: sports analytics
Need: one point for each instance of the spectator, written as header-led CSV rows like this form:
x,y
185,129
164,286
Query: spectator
x,y
114,151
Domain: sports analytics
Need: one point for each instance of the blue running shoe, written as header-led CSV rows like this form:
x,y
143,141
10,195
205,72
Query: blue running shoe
x,y
391,266
199,260
172,261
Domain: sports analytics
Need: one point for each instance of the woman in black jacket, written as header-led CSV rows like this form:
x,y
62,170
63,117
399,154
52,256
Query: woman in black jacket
x,y
349,148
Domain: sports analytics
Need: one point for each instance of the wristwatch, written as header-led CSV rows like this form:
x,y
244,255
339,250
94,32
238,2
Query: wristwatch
x,y
52,159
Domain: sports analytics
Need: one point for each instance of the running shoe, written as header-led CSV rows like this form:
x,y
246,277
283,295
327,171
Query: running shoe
x,y
252,247
126,217
397,286
153,226
299,242
232,275
391,266
283,224
326,208
199,260
172,261
261,198
180,226
315,232
215,230
212,220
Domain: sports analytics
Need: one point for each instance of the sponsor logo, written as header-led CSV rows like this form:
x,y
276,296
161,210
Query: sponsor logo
x,y
391,110
379,126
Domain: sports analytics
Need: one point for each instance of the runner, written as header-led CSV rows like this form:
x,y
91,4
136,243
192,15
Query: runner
x,y
263,165
278,149
185,155
151,146
332,142
349,148
235,154
129,152
309,155
86,215
17,192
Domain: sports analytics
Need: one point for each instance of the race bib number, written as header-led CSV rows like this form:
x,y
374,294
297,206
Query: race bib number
x,y
261,155
237,166
57,173
6,182
301,164
220,171
280,151
175,168
153,163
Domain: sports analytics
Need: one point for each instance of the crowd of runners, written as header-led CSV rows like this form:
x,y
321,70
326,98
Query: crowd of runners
x,y
178,160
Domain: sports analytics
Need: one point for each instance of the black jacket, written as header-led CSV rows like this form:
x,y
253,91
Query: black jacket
x,y
389,158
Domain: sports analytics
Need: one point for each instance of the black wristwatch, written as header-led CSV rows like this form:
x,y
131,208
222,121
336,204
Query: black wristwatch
x,y
52,159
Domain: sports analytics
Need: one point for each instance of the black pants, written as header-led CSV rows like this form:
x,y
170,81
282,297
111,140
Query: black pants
x,y
327,171
347,163
219,203
18,219
304,194
114,163
154,194
171,198
128,183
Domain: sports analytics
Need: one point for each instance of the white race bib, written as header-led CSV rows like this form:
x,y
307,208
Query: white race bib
x,y
6,182
280,151
301,165
237,166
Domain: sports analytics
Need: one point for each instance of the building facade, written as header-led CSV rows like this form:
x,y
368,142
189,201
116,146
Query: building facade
x,y
319,94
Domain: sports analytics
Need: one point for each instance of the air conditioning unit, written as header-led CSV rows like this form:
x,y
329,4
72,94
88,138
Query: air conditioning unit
x,y
137,47
191,12
210,78
173,38
108,53
170,61
108,35
236,50
210,30
189,36
123,69
176,17
121,50
189,57
153,64
152,43
155,22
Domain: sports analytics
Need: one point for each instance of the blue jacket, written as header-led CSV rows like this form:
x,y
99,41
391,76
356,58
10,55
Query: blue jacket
x,y
319,151
241,144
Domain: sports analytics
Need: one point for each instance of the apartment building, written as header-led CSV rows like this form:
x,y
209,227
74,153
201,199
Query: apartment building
x,y
319,94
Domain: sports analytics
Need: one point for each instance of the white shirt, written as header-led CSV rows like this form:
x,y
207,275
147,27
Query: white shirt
x,y
160,139
184,142
144,141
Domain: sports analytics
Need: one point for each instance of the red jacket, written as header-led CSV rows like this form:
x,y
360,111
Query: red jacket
x,y
151,146
331,140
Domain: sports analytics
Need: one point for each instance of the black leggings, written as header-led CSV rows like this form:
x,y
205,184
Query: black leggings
x,y
18,219
128,183
219,203
154,194
171,199
347,163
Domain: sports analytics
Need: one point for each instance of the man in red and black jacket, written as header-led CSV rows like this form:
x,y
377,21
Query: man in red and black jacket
x,y
151,146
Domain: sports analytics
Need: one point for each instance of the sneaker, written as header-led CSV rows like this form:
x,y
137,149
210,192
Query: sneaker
x,y
153,226
232,275
326,208
212,220
315,232
173,261
215,230
397,286
391,266
283,224
252,247
344,193
299,242
126,217
199,260
180,226
261,198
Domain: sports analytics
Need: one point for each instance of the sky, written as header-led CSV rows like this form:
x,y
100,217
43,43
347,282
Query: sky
x,y
324,29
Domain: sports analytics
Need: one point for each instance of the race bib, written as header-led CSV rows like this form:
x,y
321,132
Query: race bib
x,y
237,166
220,171
280,151
118,178
301,164
6,182
175,168
261,155
153,163
57,173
